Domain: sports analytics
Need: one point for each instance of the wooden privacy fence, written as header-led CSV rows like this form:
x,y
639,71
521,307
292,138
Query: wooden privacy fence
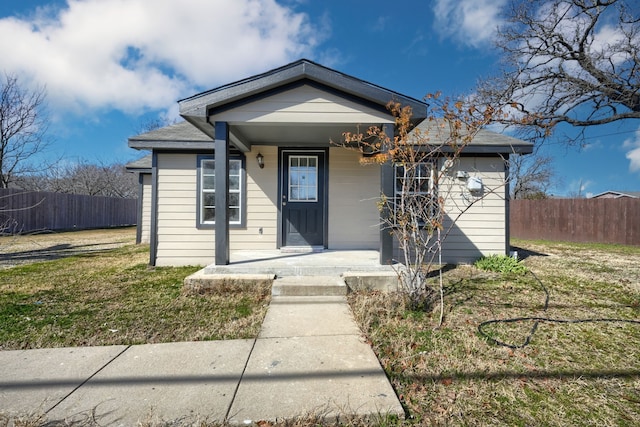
x,y
25,212
577,220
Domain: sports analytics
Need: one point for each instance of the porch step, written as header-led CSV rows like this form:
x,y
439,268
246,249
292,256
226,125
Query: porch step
x,y
301,249
309,286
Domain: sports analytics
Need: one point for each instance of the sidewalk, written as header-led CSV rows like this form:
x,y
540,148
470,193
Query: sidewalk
x,y
309,359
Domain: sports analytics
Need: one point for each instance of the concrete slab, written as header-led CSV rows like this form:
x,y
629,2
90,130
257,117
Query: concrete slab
x,y
308,316
158,383
309,286
324,376
328,262
201,283
384,281
33,381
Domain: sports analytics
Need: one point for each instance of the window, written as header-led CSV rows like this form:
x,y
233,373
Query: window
x,y
303,178
207,191
415,193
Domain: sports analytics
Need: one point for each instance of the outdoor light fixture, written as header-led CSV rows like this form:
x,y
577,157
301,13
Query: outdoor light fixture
x,y
260,159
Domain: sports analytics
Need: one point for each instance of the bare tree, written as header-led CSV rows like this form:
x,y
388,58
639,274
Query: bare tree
x,y
568,61
427,201
531,176
155,123
23,126
83,177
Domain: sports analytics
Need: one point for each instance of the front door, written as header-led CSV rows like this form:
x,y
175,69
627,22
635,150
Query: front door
x,y
303,199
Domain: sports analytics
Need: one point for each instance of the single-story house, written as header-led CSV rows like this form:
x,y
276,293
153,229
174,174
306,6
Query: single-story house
x,y
265,140
612,194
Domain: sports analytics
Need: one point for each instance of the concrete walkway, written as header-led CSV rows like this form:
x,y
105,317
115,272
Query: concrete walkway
x,y
309,359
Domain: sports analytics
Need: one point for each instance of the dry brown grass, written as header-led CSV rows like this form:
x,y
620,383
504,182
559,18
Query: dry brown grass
x,y
569,374
47,246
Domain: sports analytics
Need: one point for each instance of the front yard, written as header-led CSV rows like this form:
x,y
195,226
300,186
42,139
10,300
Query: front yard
x,y
111,297
554,373
585,373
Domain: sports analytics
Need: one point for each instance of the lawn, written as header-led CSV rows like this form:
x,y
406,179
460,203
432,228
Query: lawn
x,y
112,297
543,373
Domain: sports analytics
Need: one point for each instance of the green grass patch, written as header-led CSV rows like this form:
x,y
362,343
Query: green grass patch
x,y
501,264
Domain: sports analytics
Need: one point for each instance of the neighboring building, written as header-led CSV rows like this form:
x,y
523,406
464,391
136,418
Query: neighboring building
x,y
267,139
617,195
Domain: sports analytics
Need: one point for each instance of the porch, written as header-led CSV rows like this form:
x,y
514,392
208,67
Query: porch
x,y
300,273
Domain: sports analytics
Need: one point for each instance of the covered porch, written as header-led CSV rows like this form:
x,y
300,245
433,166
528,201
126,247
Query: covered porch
x,y
293,113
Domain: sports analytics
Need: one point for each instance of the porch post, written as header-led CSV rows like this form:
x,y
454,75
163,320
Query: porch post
x,y
386,188
222,192
507,207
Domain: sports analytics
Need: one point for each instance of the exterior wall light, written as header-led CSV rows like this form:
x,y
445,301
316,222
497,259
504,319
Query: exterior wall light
x,y
260,159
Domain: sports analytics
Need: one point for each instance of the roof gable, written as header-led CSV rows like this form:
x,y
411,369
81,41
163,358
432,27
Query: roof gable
x,y
614,194
302,69
197,108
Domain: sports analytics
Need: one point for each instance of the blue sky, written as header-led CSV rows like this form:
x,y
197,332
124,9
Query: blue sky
x,y
110,65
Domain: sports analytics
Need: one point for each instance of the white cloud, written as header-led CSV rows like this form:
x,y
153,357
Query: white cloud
x,y
633,145
578,187
471,22
145,54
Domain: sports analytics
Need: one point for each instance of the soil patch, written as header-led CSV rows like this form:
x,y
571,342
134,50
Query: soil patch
x,y
30,248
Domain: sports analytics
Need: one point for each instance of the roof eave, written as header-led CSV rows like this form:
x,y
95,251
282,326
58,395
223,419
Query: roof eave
x,y
486,149
171,145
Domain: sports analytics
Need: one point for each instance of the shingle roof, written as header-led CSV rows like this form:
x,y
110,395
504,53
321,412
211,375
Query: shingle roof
x,y
485,141
140,165
182,131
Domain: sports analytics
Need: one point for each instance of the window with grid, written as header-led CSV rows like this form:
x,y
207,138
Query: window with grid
x,y
303,178
416,185
208,191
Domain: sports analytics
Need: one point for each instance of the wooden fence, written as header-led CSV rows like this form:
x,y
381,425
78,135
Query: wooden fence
x,y
25,212
577,220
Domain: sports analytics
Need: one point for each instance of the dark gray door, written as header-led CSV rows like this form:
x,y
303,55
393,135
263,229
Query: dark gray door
x,y
303,202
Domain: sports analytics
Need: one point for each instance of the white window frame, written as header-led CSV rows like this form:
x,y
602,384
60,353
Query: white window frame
x,y
206,163
427,174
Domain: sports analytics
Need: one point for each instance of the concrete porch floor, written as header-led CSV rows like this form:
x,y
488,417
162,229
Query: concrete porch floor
x,y
281,264
359,268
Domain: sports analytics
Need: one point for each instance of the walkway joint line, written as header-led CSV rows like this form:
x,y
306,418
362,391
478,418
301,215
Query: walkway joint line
x,y
88,379
244,369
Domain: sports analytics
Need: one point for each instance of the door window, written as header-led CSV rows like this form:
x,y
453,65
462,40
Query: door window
x,y
303,178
